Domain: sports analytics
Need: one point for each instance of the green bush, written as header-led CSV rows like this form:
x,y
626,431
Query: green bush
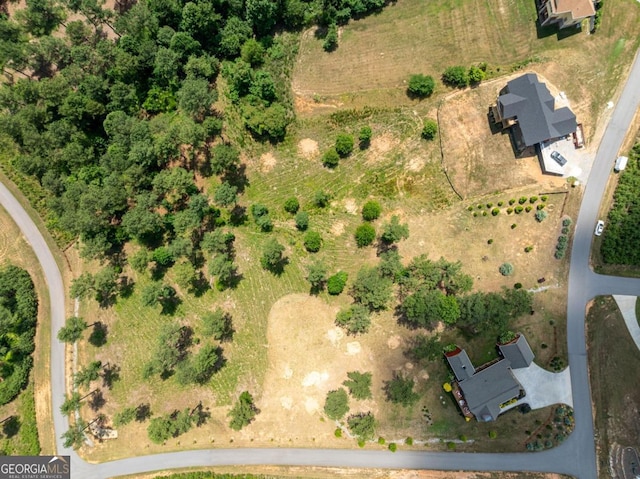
x,y
476,74
513,226
312,241
543,198
292,205
344,144
421,86
364,137
528,208
518,209
540,206
512,201
331,158
302,220
321,199
490,241
509,210
371,210
541,215
393,447
336,404
470,208
456,76
365,234
409,441
533,199
489,206
506,269
564,230
500,203
495,211
337,432
336,283
522,200
484,213
493,434
430,129
559,254
381,441
463,438
566,222
528,249
451,446
517,286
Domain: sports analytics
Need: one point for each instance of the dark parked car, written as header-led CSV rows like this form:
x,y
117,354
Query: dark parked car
x,y
561,160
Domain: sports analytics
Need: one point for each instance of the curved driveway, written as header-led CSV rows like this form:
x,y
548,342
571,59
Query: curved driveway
x,y
576,456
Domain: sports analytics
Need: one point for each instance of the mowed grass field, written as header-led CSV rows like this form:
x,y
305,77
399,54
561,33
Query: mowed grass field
x,y
615,380
376,55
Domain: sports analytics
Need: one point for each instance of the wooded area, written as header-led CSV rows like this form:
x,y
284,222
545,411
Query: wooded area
x,y
18,317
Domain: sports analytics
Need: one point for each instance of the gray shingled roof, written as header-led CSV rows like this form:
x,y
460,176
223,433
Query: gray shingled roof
x,y
518,353
531,103
461,365
488,388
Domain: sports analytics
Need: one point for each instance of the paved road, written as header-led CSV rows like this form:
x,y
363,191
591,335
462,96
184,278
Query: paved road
x,y
576,456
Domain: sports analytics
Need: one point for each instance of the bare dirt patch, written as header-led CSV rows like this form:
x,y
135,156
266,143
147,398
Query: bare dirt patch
x,y
380,146
313,350
477,159
308,148
267,162
337,228
351,206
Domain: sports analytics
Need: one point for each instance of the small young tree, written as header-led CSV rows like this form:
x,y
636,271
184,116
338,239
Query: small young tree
x,y
430,129
336,283
243,412
226,194
302,220
331,38
72,330
421,86
344,144
317,275
359,384
292,205
364,235
185,274
217,324
272,256
476,74
541,215
312,241
355,319
456,76
364,137
506,269
362,425
336,404
321,199
331,158
400,391
393,231
85,376
371,210
140,260
371,290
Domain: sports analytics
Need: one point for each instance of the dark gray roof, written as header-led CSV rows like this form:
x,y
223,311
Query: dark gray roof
x,y
532,104
461,364
488,388
518,353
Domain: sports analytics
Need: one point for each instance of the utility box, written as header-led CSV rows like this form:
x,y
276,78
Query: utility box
x,y
621,163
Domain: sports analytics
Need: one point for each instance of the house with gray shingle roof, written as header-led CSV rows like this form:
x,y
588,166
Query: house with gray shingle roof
x,y
527,107
487,390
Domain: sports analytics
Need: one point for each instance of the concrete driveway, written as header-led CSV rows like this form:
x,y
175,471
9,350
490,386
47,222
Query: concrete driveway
x,y
543,387
627,306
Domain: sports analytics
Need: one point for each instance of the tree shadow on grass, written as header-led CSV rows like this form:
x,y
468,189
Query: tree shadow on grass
x,y
143,412
98,336
110,374
11,426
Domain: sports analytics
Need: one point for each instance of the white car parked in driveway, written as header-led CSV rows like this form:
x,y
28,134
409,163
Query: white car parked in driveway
x,y
599,227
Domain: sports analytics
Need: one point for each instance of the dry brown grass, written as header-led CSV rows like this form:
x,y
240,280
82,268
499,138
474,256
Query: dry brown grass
x,y
613,355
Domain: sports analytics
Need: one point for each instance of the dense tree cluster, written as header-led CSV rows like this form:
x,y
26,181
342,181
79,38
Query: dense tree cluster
x,y
621,234
18,316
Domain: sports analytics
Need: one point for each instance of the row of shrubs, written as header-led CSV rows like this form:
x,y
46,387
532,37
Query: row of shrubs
x,y
521,201
563,239
458,76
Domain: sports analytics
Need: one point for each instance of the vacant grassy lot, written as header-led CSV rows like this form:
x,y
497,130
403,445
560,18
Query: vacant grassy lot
x,y
15,250
377,54
615,380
